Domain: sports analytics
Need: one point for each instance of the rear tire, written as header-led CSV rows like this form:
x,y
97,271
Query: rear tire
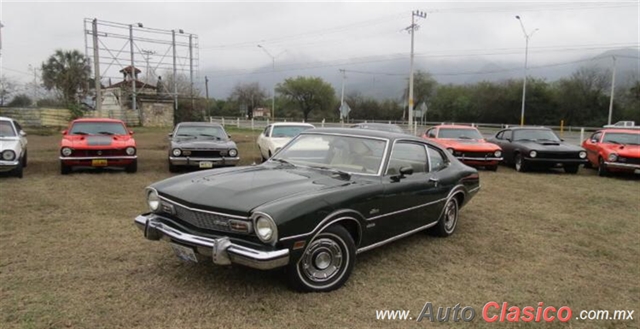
x,y
24,159
172,168
326,264
492,168
573,169
448,221
133,167
17,171
64,169
521,164
602,168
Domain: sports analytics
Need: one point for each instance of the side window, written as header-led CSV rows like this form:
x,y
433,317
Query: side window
x,y
596,136
411,155
500,135
437,159
431,133
266,131
18,127
507,134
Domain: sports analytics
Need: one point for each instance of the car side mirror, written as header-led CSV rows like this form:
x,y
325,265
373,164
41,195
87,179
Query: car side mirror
x,y
170,135
23,133
508,140
64,132
562,139
229,136
594,141
402,173
130,132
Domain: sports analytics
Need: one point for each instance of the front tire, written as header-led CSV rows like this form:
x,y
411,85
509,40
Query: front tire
x,y
571,169
492,168
602,168
24,159
18,172
326,264
520,163
449,221
64,169
132,168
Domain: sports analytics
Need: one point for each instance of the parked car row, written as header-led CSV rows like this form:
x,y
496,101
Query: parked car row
x,y
13,147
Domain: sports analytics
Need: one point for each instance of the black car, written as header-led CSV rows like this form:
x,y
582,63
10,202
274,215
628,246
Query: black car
x,y
538,147
202,145
380,126
328,195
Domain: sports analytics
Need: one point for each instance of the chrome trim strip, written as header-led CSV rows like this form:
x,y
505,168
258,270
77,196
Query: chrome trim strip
x,y
198,210
622,165
479,159
407,209
474,190
187,158
111,157
378,244
327,218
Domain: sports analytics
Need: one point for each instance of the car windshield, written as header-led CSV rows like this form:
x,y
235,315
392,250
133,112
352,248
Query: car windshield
x,y
97,128
204,132
459,133
535,135
333,152
288,131
6,129
622,138
382,127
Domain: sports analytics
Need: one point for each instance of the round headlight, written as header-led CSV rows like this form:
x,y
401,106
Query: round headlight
x,y
583,155
131,150
233,152
176,152
8,155
497,153
450,150
613,157
265,229
66,151
533,154
153,200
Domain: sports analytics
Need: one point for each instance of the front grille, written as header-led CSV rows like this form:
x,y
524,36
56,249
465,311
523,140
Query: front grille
x,y
558,155
629,160
97,153
203,153
205,220
473,154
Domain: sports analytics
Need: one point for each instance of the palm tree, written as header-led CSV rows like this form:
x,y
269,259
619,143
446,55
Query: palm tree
x,y
68,72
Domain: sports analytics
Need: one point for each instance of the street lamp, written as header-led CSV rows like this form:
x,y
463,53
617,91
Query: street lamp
x,y
526,53
273,68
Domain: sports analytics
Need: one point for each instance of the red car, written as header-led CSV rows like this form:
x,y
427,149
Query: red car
x,y
467,144
98,143
614,150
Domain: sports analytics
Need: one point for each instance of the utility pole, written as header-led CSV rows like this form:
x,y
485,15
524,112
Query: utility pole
x,y
273,70
35,84
96,65
343,81
526,56
206,86
613,86
175,74
191,73
1,26
133,71
147,55
412,30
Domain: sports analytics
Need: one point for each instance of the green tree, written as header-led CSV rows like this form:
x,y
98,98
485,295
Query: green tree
x,y
7,87
67,72
309,94
248,95
20,100
424,88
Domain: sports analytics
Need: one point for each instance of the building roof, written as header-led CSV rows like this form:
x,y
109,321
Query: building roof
x,y
139,85
128,69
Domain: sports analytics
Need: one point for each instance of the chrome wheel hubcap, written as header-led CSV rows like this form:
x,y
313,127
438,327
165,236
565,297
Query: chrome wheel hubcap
x,y
322,260
450,216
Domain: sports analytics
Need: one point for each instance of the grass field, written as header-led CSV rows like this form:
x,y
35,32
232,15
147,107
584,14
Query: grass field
x,y
71,257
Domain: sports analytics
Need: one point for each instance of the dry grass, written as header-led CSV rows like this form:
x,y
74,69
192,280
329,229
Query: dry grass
x,y
71,256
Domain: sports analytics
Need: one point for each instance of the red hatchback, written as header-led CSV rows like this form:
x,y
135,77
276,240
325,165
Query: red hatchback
x,y
467,144
98,143
614,150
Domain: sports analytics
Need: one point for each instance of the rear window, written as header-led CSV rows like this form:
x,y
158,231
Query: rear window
x,y
97,128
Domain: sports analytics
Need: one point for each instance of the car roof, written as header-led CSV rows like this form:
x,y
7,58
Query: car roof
x,y
529,128
291,124
363,133
200,124
374,124
620,130
97,120
457,127
5,119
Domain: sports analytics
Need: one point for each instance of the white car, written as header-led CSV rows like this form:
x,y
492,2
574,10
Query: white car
x,y
277,135
13,147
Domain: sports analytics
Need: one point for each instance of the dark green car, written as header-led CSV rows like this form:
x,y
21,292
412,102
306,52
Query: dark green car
x,y
323,198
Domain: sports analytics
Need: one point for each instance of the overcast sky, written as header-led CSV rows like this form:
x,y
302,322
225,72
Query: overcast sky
x,y
318,34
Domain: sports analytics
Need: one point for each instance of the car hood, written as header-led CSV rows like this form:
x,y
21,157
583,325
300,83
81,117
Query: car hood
x,y
202,143
239,190
98,141
623,150
8,144
468,145
550,146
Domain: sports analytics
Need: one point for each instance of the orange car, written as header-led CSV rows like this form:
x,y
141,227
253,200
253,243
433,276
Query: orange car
x,y
614,150
467,144
97,143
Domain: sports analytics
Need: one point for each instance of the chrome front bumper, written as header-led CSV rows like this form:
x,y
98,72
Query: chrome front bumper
x,y
8,165
221,250
461,158
190,161
618,165
112,157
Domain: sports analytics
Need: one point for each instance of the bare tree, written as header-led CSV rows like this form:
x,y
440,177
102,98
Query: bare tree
x,y
249,95
7,88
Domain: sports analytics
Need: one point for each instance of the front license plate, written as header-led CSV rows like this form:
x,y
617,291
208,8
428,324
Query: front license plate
x,y
99,163
637,171
206,164
184,253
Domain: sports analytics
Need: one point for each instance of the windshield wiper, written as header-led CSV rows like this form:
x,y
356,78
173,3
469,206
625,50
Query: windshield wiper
x,y
105,133
79,133
282,161
207,135
343,174
548,140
